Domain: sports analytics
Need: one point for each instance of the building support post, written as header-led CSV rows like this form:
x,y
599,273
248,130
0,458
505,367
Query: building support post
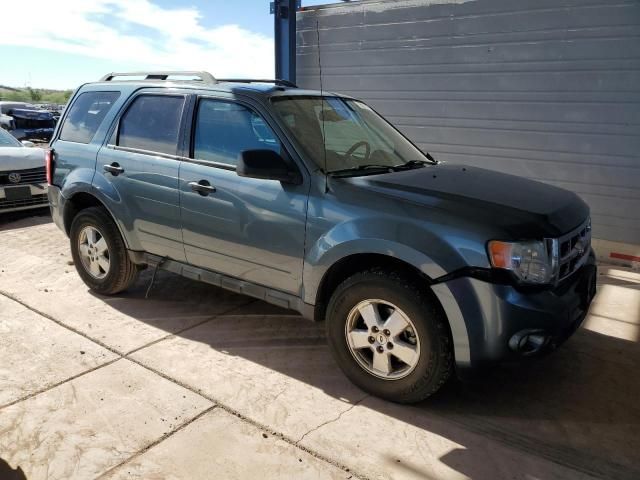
x,y
284,13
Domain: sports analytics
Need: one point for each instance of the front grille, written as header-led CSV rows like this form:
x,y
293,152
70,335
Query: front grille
x,y
573,249
27,176
27,202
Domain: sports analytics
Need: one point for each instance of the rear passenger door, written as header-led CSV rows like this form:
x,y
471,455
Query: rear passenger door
x,y
248,228
140,163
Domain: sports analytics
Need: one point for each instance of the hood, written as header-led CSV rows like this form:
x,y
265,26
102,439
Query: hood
x,y
20,158
521,207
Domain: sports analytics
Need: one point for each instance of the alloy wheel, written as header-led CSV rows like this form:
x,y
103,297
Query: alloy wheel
x,y
382,339
94,252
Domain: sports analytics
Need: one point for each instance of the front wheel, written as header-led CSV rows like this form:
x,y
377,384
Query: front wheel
x,y
99,253
389,336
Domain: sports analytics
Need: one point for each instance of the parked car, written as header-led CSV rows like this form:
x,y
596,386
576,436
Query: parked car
x,y
312,201
23,184
54,109
6,122
29,123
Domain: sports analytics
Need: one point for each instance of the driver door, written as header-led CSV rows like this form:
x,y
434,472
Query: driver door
x,y
252,229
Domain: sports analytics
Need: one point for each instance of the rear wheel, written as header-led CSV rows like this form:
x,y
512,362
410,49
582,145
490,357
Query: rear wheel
x,y
99,253
389,336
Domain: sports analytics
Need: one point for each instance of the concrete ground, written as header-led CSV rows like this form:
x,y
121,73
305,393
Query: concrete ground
x,y
195,382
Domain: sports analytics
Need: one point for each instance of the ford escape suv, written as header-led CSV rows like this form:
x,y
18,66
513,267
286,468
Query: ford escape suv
x,y
315,202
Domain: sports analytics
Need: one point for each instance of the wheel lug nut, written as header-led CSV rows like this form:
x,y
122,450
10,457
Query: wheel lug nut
x,y
389,345
380,349
386,332
371,339
375,329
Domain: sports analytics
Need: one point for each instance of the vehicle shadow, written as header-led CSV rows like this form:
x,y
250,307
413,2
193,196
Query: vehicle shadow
x,y
8,473
576,407
24,218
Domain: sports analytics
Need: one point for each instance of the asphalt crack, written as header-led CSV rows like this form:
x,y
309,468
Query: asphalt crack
x,y
182,330
157,441
332,420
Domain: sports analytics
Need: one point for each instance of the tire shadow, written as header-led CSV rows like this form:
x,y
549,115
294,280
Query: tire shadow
x,y
8,473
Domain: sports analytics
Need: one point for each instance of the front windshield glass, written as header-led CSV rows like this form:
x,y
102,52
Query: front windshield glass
x,y
356,136
8,140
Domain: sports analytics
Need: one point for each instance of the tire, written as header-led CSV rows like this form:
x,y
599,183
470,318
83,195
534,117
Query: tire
x,y
430,357
121,272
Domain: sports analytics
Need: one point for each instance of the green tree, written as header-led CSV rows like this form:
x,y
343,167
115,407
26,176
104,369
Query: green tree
x,y
34,95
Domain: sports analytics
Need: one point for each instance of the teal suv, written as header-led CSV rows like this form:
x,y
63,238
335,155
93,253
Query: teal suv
x,y
314,202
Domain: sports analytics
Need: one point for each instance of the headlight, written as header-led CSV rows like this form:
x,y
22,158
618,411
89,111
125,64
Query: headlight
x,y
531,262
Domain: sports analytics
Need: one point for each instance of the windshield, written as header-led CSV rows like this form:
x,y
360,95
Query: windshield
x,y
8,140
356,136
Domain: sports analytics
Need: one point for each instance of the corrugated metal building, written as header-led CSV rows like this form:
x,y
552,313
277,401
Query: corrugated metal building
x,y
547,89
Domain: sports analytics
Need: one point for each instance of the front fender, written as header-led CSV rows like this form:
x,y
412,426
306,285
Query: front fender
x,y
319,260
397,238
404,241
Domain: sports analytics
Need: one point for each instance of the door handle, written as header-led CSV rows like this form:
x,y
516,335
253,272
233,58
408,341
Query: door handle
x,y
203,187
114,169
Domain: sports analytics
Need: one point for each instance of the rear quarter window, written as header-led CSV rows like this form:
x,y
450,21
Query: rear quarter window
x,y
86,114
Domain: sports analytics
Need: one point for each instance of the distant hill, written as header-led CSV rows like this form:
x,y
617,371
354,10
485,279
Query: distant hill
x,y
34,95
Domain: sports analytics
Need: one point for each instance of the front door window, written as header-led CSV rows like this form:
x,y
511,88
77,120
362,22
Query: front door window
x,y
224,129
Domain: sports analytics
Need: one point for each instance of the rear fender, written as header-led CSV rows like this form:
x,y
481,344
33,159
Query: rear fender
x,y
108,196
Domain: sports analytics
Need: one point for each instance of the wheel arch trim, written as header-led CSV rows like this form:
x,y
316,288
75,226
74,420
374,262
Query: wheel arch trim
x,y
459,332
316,266
92,192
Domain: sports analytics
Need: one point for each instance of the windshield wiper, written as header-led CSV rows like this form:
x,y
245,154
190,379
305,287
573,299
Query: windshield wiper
x,y
408,165
411,164
360,168
417,163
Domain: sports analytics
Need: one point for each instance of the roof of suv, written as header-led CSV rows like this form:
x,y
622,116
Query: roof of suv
x,y
207,82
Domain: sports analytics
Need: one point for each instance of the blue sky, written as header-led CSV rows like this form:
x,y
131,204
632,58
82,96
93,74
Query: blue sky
x,y
71,42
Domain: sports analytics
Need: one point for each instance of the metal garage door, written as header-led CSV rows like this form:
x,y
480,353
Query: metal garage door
x,y
547,89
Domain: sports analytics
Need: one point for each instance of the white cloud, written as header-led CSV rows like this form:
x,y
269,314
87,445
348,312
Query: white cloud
x,y
164,38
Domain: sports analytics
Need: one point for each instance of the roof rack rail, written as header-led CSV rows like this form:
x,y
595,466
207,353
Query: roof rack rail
x,y
204,77
276,81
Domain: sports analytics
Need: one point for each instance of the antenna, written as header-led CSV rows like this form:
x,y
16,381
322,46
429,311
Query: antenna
x,y
324,139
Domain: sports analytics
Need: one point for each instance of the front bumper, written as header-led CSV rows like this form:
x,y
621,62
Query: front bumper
x,y
498,316
36,197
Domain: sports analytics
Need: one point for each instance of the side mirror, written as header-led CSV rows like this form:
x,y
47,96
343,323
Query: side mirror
x,y
27,143
268,165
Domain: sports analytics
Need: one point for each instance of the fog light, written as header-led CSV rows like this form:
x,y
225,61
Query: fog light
x,y
528,342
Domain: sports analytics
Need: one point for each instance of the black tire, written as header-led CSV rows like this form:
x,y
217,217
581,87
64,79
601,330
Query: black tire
x,y
122,272
435,361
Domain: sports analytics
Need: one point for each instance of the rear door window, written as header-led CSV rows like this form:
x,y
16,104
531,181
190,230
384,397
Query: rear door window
x,y
86,115
152,123
224,129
